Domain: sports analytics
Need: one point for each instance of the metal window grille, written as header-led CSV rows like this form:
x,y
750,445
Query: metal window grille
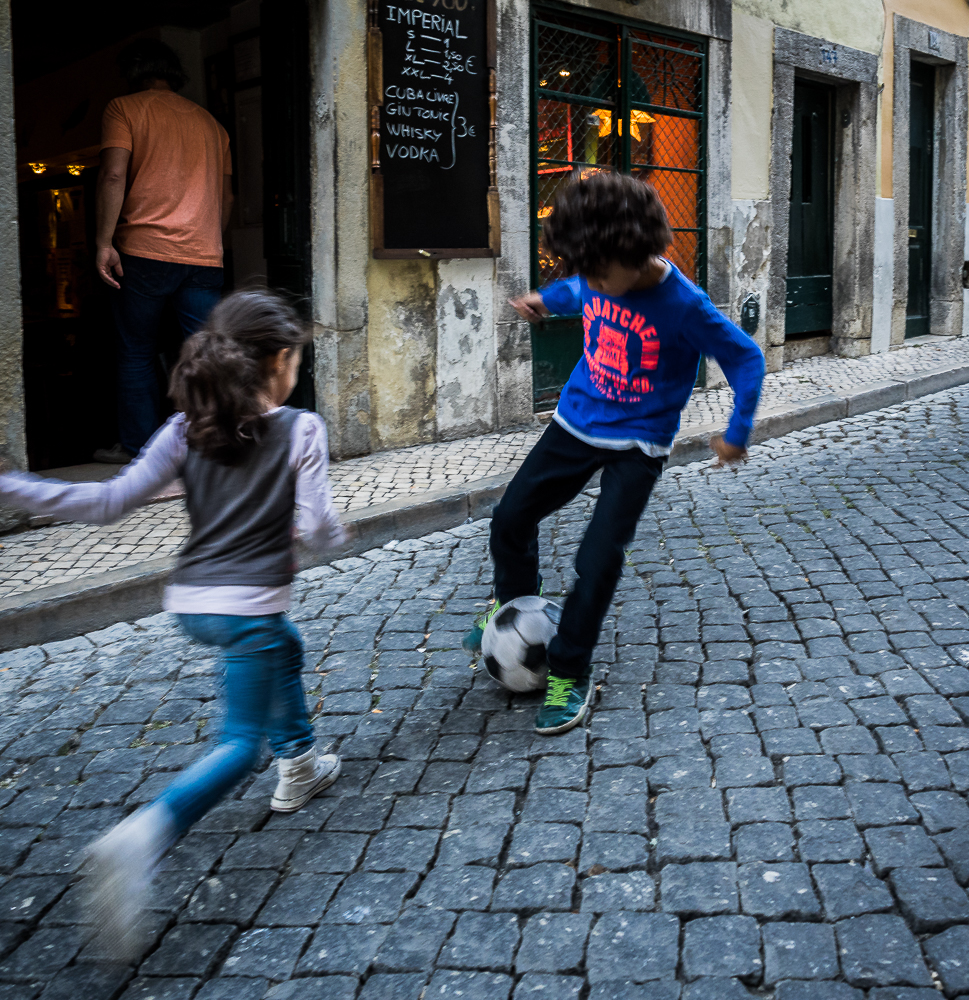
x,y
586,117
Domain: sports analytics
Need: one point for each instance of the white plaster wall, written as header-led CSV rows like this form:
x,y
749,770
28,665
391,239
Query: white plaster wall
x,y
751,258
881,311
466,381
339,220
512,334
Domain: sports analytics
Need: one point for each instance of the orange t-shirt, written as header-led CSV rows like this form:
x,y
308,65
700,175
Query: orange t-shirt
x,y
179,153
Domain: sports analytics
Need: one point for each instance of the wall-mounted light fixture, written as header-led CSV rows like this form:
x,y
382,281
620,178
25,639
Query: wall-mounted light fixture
x,y
75,169
38,168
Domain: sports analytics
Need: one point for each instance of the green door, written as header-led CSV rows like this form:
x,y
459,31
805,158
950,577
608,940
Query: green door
x,y
920,200
809,248
586,118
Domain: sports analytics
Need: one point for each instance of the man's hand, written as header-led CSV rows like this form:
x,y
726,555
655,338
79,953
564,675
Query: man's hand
x,y
108,263
727,454
529,306
108,204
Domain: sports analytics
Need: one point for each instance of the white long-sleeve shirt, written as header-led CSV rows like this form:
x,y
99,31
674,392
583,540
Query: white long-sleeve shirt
x,y
317,524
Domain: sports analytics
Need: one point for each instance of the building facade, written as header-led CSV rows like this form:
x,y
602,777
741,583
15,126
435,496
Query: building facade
x,y
811,153
849,172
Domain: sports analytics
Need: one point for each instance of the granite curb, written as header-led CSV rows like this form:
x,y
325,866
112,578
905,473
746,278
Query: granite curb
x,y
65,610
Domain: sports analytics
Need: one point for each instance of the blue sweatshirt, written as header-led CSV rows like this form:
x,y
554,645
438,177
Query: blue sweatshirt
x,y
640,362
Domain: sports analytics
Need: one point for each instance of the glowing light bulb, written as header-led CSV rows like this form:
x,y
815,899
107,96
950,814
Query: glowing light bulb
x,y
38,168
75,169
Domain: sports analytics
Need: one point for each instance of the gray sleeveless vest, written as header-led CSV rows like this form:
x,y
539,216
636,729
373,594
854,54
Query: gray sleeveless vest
x,y
242,515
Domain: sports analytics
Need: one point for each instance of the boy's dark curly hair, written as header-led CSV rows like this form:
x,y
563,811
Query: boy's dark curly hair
x,y
606,217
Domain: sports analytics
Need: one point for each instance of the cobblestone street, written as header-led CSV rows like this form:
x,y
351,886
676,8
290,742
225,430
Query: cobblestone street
x,y
770,796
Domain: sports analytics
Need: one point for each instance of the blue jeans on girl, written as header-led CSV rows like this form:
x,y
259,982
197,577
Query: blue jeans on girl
x,y
263,658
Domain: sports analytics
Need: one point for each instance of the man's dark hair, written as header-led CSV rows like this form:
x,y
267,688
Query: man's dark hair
x,y
149,59
606,217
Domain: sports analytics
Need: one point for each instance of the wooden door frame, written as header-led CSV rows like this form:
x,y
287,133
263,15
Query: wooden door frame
x,y
914,41
286,170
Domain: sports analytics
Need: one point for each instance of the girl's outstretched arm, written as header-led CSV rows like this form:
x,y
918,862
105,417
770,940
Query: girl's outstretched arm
x,y
318,524
158,464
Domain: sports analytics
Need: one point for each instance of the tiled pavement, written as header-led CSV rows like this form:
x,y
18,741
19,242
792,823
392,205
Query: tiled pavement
x,y
63,553
770,798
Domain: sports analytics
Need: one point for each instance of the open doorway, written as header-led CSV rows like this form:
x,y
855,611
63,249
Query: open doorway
x,y
240,58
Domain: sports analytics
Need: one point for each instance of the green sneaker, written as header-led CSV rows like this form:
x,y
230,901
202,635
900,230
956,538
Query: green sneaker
x,y
566,704
472,641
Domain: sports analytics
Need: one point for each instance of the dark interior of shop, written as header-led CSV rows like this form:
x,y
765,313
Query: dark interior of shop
x,y
240,58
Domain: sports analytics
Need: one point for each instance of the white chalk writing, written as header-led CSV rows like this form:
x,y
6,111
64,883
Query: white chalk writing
x,y
433,57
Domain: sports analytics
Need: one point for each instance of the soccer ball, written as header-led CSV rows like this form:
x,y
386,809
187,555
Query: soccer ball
x,y
514,641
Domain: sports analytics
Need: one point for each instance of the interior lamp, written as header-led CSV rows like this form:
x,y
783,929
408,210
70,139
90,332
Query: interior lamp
x,y
637,118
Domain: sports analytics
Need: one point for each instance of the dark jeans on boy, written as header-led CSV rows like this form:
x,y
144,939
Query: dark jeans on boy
x,y
146,286
555,472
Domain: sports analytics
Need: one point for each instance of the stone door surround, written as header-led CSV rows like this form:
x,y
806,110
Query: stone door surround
x,y
854,75
923,43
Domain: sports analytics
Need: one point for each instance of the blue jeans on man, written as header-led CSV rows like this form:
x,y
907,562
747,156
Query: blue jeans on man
x,y
263,696
146,286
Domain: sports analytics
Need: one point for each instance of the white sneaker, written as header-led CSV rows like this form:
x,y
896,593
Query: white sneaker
x,y
120,868
300,778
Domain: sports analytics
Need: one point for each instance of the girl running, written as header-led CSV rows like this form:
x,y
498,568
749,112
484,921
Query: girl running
x,y
247,463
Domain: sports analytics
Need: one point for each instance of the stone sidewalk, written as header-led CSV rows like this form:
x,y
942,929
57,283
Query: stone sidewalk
x,y
770,800
60,554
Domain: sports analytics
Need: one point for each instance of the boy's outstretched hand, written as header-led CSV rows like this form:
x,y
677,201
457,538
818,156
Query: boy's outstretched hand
x,y
727,454
529,306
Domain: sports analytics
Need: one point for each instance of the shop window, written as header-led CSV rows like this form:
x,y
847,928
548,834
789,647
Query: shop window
x,y
586,117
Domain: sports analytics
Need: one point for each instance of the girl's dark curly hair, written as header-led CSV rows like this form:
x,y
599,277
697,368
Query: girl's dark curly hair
x,y
220,372
606,217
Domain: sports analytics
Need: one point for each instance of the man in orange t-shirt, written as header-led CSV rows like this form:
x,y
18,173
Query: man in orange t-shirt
x,y
164,197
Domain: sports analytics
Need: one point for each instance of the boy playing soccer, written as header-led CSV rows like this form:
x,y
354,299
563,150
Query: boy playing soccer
x,y
646,327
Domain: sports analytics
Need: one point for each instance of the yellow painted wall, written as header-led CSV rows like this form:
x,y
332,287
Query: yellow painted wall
x,y
857,23
862,24
402,351
751,99
947,15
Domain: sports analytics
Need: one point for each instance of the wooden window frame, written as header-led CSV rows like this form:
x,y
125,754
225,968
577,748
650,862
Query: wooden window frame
x,y
375,100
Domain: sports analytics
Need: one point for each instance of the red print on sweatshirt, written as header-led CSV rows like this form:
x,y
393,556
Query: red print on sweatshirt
x,y
619,349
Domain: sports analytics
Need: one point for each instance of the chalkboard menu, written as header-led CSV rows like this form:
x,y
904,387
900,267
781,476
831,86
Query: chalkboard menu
x,y
433,130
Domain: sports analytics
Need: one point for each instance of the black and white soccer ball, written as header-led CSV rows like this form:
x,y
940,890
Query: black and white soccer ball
x,y
514,642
